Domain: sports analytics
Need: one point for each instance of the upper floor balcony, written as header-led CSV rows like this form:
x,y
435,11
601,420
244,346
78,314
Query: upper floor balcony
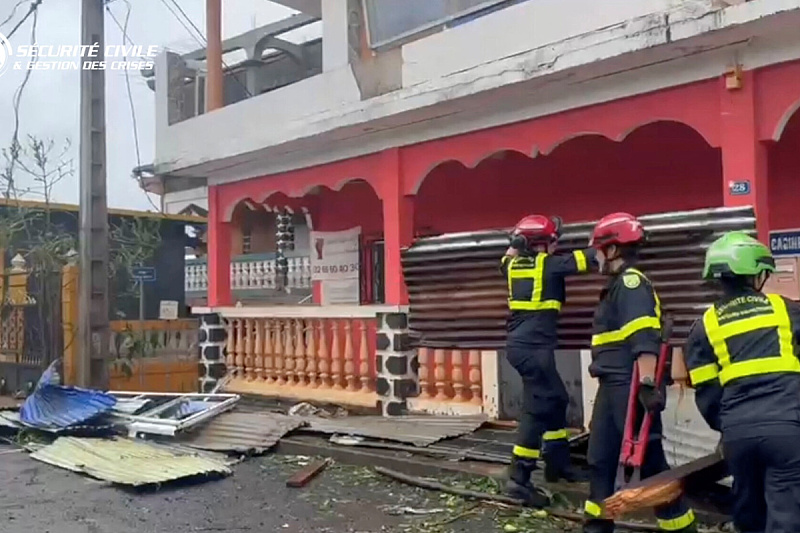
x,y
388,72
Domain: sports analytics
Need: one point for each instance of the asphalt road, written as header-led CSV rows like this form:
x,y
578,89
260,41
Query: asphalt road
x,y
38,498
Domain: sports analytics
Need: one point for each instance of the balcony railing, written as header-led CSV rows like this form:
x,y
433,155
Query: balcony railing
x,y
314,354
250,272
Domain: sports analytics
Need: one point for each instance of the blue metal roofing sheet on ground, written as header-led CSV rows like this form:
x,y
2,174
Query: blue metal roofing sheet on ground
x,y
54,407
129,462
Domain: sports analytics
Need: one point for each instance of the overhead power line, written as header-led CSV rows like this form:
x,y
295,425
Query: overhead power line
x,y
32,11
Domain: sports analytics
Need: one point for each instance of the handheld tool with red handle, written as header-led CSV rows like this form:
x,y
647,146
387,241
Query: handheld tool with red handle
x,y
634,446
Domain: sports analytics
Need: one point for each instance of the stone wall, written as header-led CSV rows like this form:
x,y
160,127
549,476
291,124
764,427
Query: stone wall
x,y
212,351
397,364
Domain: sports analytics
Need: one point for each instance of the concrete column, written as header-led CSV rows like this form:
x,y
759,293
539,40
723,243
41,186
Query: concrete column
x,y
212,351
335,35
744,157
219,253
397,364
398,227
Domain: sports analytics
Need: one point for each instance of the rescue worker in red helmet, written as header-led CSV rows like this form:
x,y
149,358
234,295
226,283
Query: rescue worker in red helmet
x,y
626,331
536,293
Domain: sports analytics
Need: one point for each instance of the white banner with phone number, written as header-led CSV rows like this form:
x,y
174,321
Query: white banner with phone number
x,y
335,255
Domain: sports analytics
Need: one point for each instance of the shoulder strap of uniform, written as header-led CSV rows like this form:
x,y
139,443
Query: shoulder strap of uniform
x,y
632,278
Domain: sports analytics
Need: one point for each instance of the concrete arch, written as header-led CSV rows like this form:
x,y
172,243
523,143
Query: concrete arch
x,y
793,113
473,163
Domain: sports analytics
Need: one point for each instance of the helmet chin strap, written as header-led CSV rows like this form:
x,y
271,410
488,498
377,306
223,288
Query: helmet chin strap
x,y
760,280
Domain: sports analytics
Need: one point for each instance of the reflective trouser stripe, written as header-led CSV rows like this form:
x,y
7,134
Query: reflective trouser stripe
x,y
555,435
676,524
592,509
526,453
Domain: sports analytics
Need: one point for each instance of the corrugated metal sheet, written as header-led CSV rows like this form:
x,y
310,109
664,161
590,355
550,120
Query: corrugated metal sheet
x,y
242,432
416,430
55,407
458,298
128,462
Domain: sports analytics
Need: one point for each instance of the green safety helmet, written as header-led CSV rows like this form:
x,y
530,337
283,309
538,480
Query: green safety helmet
x,y
737,253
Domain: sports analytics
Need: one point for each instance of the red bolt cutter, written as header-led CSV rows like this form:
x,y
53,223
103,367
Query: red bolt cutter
x,y
631,455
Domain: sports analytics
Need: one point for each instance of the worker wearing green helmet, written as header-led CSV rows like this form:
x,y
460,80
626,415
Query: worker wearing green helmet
x,y
743,362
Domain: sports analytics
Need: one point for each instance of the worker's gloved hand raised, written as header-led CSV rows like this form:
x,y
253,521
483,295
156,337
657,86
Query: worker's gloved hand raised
x,y
518,243
651,397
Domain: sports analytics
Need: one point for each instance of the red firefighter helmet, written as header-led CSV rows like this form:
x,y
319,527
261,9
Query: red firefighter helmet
x,y
537,229
617,228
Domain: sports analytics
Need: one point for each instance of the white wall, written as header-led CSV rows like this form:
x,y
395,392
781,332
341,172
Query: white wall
x,y
521,27
335,46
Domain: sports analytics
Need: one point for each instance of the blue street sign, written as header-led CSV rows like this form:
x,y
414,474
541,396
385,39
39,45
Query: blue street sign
x,y
739,188
144,274
785,243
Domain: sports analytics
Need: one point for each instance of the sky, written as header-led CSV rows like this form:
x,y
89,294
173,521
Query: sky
x,y
50,105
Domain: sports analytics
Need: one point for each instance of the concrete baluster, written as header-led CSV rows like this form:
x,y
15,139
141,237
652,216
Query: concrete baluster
x,y
248,349
324,357
440,374
336,357
269,353
425,373
311,356
280,373
460,391
258,353
475,378
288,350
300,353
363,358
349,357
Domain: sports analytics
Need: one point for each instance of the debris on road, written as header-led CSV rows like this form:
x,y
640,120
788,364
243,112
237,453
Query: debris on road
x,y
399,510
250,433
54,407
498,498
172,412
129,462
420,431
304,476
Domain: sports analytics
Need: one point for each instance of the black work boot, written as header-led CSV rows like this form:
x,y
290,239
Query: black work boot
x,y
557,463
519,484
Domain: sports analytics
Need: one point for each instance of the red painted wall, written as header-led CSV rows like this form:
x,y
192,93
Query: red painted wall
x,y
784,178
355,205
659,167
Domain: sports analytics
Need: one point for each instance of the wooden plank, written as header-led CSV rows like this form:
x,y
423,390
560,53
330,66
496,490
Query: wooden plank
x,y
302,477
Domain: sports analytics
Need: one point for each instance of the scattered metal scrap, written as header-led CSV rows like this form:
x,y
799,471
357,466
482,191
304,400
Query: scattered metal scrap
x,y
417,430
129,462
242,432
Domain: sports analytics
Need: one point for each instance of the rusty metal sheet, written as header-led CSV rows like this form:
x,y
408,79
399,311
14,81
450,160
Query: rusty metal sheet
x,y
129,462
458,297
416,430
242,432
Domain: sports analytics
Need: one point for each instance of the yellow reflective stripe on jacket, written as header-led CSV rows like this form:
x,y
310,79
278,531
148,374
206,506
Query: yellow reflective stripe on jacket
x,y
638,324
619,335
592,509
677,523
536,274
525,453
703,374
555,435
785,361
580,260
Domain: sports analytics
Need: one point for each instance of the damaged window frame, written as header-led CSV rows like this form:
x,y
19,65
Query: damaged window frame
x,y
150,422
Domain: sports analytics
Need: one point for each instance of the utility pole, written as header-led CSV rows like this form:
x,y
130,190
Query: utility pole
x,y
215,97
93,326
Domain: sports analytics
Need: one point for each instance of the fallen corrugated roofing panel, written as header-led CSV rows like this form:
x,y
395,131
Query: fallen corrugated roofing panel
x,y
416,430
53,407
10,419
242,432
128,462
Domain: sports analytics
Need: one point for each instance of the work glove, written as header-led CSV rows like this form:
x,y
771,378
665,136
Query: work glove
x,y
651,397
518,243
